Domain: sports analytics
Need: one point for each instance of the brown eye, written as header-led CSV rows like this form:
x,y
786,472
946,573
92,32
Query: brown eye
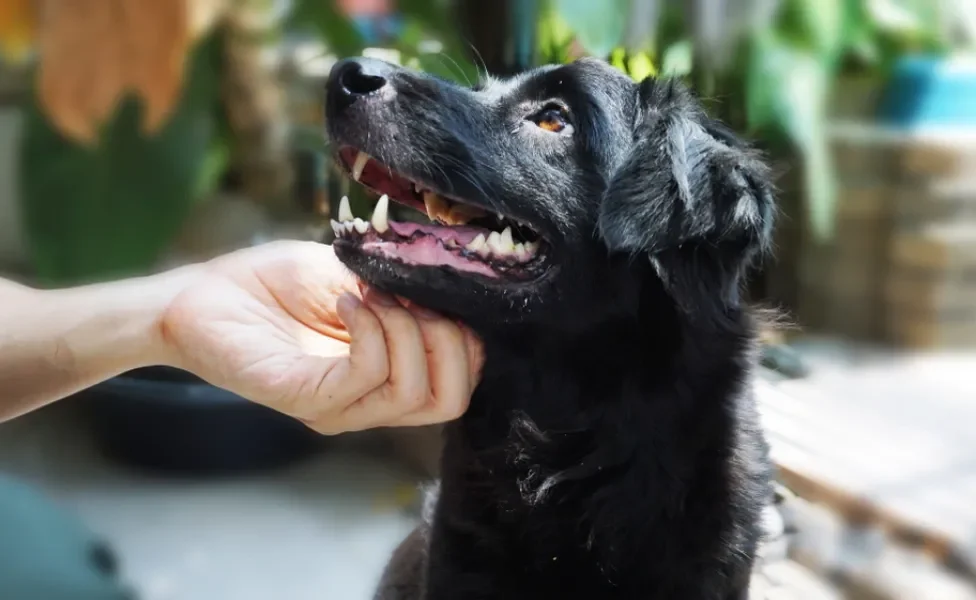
x,y
552,118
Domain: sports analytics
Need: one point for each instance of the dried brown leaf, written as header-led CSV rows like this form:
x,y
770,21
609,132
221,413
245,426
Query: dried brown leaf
x,y
17,28
95,51
81,77
157,38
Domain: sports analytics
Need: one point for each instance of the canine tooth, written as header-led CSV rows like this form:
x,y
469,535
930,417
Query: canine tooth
x,y
506,240
360,225
357,167
336,227
345,211
379,220
435,205
417,188
531,247
477,243
461,214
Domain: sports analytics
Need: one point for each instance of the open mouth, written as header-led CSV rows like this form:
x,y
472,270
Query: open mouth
x,y
460,235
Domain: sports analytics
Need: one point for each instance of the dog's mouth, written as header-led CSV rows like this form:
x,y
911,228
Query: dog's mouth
x,y
460,236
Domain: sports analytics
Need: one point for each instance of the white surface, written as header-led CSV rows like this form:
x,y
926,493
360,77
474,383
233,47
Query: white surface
x,y
321,530
895,430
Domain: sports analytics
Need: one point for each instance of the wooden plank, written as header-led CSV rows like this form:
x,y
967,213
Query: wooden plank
x,y
908,469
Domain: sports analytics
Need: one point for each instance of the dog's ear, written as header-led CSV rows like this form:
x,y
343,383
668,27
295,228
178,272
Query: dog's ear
x,y
688,193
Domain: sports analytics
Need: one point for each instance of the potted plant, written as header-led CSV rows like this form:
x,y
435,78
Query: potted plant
x,y
124,133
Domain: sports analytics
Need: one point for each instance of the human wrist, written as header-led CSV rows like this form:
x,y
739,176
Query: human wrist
x,y
119,324
163,289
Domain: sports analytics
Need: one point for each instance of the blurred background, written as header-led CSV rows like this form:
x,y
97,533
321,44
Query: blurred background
x,y
136,136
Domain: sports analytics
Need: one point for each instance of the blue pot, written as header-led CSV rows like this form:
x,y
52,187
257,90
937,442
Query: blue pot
x,y
931,92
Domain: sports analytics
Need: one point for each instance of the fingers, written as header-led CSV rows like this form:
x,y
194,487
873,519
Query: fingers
x,y
365,368
407,388
476,356
448,367
406,367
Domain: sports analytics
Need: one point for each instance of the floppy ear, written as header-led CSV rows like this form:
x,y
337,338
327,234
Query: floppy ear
x,y
690,195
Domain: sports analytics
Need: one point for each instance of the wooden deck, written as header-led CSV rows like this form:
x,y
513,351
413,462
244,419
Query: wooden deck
x,y
884,440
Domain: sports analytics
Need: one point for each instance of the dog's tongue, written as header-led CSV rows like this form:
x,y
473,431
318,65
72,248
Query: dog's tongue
x,y
461,234
427,250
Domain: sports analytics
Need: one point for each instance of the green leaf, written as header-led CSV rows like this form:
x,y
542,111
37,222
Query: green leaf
x,y
677,60
618,59
821,186
599,26
788,92
556,37
434,19
436,16
447,67
640,66
336,30
823,23
108,211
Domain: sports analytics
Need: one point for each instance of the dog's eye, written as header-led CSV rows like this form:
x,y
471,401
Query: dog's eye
x,y
551,118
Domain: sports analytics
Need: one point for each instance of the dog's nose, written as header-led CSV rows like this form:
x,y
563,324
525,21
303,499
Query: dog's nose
x,y
353,78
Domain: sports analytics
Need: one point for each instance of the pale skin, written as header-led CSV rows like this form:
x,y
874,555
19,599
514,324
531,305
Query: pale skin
x,y
284,325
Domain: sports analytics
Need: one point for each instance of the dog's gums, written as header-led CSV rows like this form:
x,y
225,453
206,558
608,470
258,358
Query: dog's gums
x,y
461,236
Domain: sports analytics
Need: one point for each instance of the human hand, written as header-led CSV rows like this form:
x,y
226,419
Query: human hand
x,y
285,325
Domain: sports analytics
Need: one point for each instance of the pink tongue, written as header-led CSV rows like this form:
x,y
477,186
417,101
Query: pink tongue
x,y
427,251
461,234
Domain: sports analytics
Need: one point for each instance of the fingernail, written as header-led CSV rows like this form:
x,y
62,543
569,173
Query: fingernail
x,y
346,305
380,298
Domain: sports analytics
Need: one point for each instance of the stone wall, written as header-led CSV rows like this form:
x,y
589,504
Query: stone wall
x,y
900,267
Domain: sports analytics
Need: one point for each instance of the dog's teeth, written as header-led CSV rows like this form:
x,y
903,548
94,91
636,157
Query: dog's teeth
x,y
520,250
357,167
360,225
507,242
500,216
336,227
345,211
531,248
417,188
436,206
477,243
495,243
380,221
452,243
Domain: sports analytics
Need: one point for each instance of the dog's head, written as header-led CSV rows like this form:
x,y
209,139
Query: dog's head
x,y
558,194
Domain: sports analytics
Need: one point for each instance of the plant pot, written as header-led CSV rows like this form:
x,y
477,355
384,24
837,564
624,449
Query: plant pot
x,y
931,92
170,421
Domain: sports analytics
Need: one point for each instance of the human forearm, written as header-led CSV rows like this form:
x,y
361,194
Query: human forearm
x,y
54,343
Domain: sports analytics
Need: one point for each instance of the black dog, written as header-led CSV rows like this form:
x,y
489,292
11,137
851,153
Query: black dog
x,y
594,232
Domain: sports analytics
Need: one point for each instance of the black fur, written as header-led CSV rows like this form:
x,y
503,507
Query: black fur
x,y
612,449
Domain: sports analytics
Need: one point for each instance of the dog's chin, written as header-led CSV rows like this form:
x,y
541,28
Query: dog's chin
x,y
474,294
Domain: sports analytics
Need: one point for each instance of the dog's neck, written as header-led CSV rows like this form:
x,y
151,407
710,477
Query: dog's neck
x,y
571,381
559,419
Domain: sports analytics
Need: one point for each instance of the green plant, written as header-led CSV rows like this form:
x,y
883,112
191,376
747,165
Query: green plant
x,y
109,209
770,63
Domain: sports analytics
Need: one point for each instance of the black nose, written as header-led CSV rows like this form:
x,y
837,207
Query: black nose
x,y
353,78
